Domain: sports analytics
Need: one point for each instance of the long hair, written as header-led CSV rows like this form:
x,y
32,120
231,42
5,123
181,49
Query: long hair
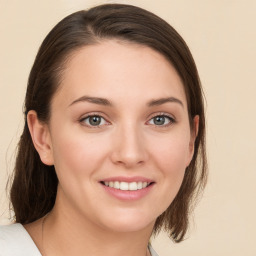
x,y
34,186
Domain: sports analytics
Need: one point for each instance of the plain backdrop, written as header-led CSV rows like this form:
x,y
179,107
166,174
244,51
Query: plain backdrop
x,y
222,37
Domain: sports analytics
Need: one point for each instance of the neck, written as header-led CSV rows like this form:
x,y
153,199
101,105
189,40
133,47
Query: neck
x,y
69,234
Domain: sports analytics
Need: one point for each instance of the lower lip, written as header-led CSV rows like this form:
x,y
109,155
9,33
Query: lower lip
x,y
128,195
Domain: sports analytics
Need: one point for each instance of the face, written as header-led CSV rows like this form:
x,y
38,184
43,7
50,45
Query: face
x,y
119,135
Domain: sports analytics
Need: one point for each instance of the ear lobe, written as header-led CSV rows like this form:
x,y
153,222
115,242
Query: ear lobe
x,y
41,137
193,135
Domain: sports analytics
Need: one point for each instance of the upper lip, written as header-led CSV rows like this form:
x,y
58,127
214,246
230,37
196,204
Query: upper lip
x,y
128,179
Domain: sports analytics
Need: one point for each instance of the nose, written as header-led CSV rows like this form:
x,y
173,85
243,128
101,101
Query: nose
x,y
129,147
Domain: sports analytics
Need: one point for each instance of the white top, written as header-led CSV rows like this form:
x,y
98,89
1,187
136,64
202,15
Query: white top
x,y
15,241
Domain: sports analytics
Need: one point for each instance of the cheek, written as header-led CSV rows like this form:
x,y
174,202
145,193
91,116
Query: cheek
x,y
173,153
173,166
77,159
171,159
76,155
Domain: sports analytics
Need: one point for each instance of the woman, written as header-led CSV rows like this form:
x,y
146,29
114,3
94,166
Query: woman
x,y
113,147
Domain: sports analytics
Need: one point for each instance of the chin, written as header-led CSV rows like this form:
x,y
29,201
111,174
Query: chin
x,y
128,222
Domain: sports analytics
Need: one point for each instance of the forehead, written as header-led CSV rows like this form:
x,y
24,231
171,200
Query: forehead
x,y
120,71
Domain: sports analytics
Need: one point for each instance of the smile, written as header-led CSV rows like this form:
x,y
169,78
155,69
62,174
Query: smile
x,y
127,186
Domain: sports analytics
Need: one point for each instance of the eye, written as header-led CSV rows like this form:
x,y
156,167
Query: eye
x,y
161,120
94,120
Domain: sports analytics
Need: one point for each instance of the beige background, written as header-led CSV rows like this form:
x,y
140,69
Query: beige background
x,y
222,37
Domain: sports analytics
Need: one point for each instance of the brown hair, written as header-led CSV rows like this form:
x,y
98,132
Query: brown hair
x,y
34,186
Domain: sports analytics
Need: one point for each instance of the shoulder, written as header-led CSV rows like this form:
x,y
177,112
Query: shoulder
x,y
152,251
14,240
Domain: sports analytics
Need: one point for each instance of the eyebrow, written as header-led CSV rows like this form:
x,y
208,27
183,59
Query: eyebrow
x,y
95,100
106,102
161,101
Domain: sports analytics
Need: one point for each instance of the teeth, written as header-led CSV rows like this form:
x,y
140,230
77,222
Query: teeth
x,y
116,185
144,184
133,186
126,185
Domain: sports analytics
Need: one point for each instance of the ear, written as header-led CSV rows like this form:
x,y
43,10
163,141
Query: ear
x,y
193,135
41,138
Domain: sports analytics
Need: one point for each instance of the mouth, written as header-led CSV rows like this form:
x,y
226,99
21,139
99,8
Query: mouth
x,y
127,186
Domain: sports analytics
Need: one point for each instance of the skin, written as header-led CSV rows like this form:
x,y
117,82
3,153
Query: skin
x,y
128,142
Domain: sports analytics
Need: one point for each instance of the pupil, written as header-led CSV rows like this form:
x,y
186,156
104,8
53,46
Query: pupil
x,y
159,120
94,120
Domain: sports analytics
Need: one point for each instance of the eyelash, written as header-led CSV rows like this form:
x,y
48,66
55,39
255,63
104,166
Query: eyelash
x,y
166,116
82,120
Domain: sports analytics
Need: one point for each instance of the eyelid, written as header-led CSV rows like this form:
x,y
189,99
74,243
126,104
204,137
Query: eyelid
x,y
90,114
171,117
85,116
